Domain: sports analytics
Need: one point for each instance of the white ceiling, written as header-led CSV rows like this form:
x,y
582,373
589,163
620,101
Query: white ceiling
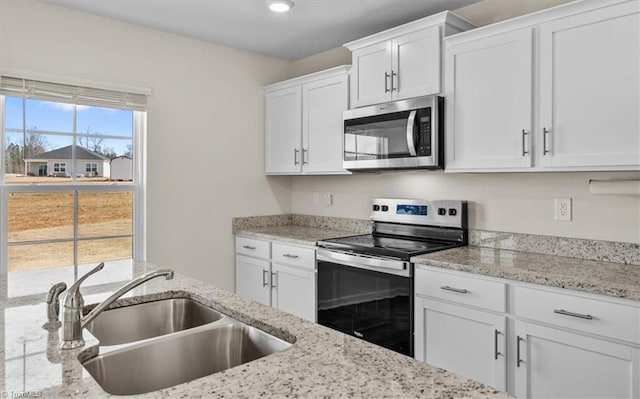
x,y
312,26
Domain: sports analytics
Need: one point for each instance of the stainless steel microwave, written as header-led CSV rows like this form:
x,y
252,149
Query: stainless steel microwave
x,y
403,134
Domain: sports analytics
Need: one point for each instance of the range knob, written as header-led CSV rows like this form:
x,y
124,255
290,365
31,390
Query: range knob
x,y
385,208
376,207
442,211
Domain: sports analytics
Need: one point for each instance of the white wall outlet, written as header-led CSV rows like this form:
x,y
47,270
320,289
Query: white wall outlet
x,y
327,199
563,209
316,198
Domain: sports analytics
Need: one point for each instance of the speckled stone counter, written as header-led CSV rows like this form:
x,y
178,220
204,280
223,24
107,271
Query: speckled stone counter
x,y
302,235
597,277
322,363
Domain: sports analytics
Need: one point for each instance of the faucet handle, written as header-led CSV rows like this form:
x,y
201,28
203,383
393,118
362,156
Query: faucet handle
x,y
73,299
53,305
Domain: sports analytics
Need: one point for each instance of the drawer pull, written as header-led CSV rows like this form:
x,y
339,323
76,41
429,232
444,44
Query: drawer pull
x,y
274,280
578,315
495,344
518,360
290,256
458,290
249,247
265,276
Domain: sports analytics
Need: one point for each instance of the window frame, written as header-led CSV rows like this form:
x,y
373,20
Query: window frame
x,y
90,167
137,187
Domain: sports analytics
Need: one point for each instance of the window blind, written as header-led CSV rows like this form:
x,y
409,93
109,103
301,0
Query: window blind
x,y
18,87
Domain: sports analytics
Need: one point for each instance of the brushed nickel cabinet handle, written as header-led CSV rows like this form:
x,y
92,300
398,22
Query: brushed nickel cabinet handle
x,y
393,74
545,132
305,159
495,344
274,279
249,247
290,256
518,360
458,290
265,277
524,141
295,156
386,82
572,314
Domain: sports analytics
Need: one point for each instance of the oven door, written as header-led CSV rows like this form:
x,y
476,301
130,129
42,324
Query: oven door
x,y
392,136
366,297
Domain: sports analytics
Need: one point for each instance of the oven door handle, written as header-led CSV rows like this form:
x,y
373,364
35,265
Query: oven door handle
x,y
374,263
411,142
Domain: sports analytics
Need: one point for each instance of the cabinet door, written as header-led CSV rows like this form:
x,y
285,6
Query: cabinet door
x,y
559,364
489,102
323,101
252,279
283,130
416,64
462,340
371,74
590,89
294,291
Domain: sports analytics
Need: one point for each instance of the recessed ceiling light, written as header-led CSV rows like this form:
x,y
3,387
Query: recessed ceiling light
x,y
280,5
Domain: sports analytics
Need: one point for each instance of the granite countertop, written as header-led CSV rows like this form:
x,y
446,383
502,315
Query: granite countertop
x,y
321,362
596,277
303,235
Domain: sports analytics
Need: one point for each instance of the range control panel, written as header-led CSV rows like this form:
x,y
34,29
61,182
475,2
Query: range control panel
x,y
447,213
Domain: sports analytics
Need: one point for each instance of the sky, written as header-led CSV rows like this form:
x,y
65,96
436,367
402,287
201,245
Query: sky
x,y
58,117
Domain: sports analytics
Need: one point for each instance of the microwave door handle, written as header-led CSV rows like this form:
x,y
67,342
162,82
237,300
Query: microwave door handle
x,y
411,143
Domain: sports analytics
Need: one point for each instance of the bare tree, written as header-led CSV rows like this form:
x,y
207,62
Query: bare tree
x,y
15,153
89,140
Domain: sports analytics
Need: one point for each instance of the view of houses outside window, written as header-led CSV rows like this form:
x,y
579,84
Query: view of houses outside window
x,y
65,211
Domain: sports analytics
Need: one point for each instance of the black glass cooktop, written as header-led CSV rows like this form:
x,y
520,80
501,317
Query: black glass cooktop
x,y
370,244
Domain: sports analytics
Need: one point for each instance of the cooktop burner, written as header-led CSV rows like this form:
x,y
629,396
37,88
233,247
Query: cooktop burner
x,y
396,247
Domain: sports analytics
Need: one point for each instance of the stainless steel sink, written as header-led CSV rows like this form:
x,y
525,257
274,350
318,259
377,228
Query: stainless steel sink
x,y
174,359
150,319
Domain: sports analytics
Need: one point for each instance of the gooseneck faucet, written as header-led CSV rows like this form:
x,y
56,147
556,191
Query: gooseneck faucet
x,y
72,320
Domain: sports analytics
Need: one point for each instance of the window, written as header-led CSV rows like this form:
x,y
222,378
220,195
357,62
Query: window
x,y
91,169
64,214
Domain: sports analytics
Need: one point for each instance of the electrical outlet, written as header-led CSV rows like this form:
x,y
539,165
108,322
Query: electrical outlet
x,y
327,199
563,209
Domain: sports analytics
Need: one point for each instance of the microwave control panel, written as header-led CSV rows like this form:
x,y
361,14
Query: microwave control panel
x,y
424,132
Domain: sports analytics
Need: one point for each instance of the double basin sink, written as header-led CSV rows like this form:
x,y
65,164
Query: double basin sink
x,y
156,345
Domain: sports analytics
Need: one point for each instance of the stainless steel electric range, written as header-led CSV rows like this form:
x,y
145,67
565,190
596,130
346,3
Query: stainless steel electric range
x,y
365,282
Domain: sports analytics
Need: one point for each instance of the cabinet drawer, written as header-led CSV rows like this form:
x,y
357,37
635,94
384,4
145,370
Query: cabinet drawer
x,y
588,315
253,247
484,294
293,255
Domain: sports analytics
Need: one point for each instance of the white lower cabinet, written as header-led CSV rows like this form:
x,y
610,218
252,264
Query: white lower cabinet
x,y
466,341
291,290
552,363
546,343
277,274
252,279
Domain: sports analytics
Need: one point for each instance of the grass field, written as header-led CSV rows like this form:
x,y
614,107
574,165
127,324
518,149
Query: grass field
x,y
46,216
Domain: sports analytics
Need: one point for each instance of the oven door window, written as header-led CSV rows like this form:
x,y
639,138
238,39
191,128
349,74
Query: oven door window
x,y
370,305
377,137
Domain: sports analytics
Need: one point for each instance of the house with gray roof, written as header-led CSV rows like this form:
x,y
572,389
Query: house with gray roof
x,y
59,162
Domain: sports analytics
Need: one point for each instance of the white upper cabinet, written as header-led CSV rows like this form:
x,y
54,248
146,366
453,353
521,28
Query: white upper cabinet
x,y
569,102
323,102
489,102
283,124
303,132
402,62
590,89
